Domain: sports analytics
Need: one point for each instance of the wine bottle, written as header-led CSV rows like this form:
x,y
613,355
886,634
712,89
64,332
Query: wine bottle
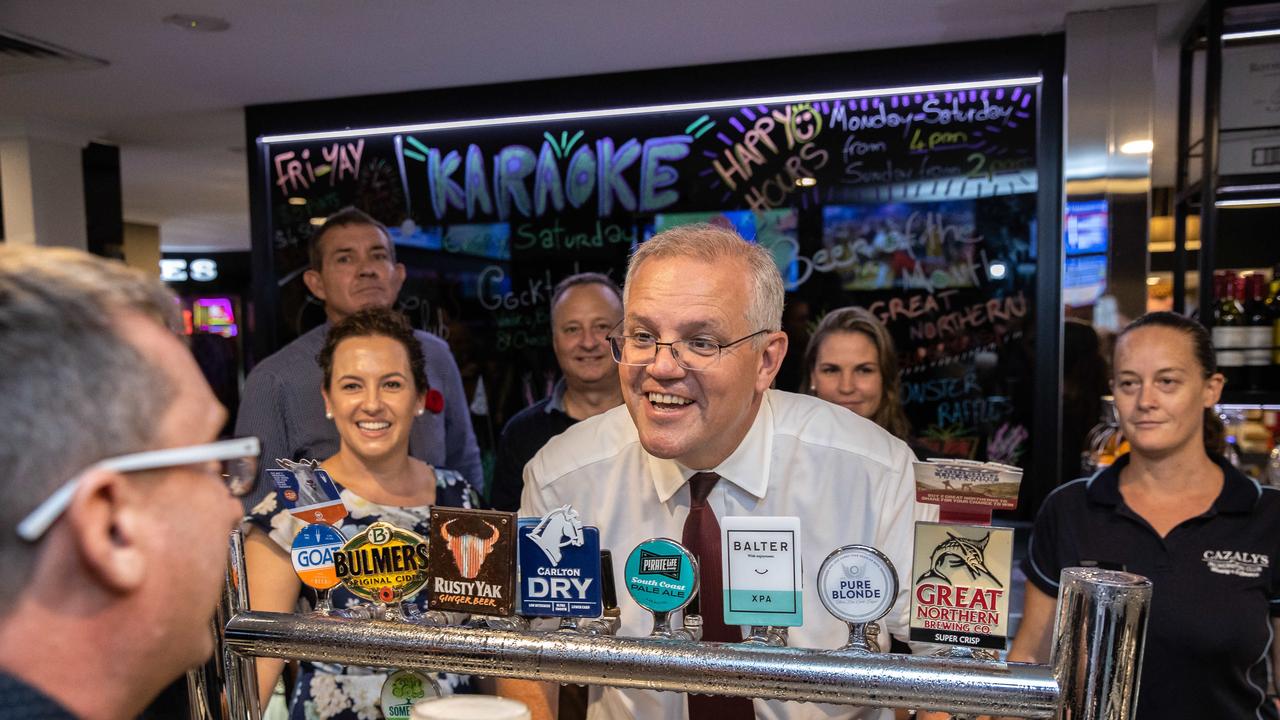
x,y
1229,331
1258,326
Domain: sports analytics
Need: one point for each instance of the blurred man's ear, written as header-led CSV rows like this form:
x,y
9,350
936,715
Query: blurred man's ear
x,y
109,523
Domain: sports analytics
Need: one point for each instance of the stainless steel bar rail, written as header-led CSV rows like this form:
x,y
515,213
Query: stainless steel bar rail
x,y
1098,644
749,670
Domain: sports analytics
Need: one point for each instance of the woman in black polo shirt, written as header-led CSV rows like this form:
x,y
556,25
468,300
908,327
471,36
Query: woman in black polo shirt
x,y
1174,511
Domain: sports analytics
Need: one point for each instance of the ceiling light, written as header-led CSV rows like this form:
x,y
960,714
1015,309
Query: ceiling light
x,y
1246,35
646,110
806,182
1153,280
297,201
997,270
1254,202
317,221
198,23
1137,147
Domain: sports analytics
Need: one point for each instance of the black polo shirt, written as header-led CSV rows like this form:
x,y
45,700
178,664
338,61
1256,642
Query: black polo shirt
x,y
1214,590
20,701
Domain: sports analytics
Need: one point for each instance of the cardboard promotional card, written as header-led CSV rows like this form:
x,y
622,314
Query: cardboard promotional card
x,y
760,562
472,556
960,589
382,563
307,491
968,482
559,566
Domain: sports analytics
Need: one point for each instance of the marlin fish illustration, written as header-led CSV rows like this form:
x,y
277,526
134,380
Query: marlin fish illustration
x,y
960,552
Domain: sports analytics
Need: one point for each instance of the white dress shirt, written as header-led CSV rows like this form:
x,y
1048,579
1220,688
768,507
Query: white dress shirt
x,y
848,480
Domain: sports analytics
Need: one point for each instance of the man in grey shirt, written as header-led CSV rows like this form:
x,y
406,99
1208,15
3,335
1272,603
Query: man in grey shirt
x,y
353,267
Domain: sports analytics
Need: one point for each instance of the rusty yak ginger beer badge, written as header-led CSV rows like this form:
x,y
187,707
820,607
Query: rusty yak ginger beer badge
x,y
960,588
382,563
473,561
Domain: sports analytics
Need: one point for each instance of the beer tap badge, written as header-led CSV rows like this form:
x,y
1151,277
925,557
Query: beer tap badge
x,y
961,591
473,561
858,584
383,563
307,491
968,482
662,576
312,555
760,565
559,567
402,689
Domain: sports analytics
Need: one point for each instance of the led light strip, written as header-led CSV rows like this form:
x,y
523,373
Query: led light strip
x,y
1253,202
644,110
1251,34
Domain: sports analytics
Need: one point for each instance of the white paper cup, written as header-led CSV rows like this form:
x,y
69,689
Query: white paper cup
x,y
470,707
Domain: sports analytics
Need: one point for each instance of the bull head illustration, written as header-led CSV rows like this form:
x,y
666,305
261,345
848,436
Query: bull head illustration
x,y
469,551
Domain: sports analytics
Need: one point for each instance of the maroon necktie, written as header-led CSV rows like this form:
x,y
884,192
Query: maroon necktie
x,y
702,537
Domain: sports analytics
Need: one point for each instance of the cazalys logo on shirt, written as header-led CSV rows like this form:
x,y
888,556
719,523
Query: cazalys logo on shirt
x,y
1235,562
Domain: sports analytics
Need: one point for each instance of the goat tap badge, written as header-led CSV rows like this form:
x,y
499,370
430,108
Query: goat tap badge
x,y
961,591
471,554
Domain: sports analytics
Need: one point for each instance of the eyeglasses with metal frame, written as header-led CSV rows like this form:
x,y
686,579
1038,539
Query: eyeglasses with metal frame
x,y
238,467
697,354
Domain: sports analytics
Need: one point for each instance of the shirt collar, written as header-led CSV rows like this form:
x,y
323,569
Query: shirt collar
x,y
1239,492
556,401
748,466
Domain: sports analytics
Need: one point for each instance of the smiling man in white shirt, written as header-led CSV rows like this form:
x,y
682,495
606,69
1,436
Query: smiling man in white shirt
x,y
698,348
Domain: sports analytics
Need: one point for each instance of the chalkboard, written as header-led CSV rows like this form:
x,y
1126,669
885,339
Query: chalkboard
x,y
920,206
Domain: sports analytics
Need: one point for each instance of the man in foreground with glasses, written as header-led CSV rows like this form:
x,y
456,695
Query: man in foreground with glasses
x,y
703,437
113,529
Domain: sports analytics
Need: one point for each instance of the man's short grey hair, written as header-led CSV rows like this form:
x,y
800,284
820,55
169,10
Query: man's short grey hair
x,y
72,391
712,244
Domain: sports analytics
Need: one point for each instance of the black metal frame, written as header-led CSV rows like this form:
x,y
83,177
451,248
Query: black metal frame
x,y
1205,35
1027,55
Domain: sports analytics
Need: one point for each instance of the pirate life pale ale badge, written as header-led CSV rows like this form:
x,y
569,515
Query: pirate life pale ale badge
x,y
312,555
662,576
857,584
473,561
960,592
402,689
383,563
760,564
559,566
968,482
308,492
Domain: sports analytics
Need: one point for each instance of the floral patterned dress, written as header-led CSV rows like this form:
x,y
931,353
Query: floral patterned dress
x,y
336,692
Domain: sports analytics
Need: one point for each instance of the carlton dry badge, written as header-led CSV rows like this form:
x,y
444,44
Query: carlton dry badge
x,y
559,567
760,561
312,555
960,593
383,563
473,561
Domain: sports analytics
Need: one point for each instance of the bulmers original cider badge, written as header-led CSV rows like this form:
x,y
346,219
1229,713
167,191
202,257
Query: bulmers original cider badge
x,y
473,561
960,593
383,563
